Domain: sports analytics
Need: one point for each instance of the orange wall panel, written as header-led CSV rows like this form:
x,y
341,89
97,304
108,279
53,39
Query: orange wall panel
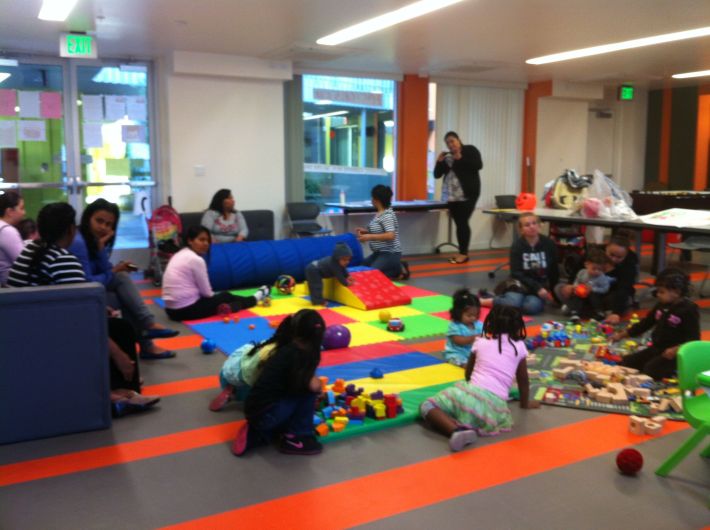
x,y
412,137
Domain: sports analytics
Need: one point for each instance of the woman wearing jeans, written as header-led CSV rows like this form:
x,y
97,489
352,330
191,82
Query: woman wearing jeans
x,y
461,188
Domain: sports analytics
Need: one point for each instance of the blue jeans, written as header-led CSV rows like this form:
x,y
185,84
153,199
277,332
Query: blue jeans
x,y
292,415
529,304
390,263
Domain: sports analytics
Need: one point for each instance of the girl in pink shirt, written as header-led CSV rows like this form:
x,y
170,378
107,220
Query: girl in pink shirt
x,y
187,291
478,405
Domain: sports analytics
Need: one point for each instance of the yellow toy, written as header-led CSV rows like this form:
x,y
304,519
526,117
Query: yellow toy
x,y
385,316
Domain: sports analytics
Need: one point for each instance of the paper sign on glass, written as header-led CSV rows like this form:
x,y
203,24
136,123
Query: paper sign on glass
x,y
92,135
50,104
29,104
115,107
33,131
92,108
8,133
8,102
132,133
136,108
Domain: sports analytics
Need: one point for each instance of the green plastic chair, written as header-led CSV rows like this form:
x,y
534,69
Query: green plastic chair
x,y
693,359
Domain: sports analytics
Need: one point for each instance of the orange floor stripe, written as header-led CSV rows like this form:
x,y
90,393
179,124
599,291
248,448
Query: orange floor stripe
x,y
181,342
151,293
705,302
457,269
182,387
453,267
388,493
55,466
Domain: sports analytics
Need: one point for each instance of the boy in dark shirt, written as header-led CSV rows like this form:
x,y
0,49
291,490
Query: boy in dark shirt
x,y
334,266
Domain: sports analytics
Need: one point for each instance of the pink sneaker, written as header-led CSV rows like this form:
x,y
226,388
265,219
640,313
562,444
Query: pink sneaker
x,y
221,399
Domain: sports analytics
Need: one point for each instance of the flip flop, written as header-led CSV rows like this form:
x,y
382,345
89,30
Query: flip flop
x,y
160,333
167,354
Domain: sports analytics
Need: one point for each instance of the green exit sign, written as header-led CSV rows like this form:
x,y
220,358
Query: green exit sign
x,y
626,93
78,46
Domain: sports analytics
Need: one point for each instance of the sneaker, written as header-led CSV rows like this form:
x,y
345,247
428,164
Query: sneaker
x,y
461,439
221,399
565,310
574,316
300,445
262,292
405,270
245,440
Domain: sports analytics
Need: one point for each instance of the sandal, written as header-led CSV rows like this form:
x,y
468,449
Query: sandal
x,y
457,262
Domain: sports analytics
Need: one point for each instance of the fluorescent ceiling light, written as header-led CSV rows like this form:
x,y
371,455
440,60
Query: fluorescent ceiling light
x,y
625,45
700,73
56,9
8,62
3,76
392,18
326,115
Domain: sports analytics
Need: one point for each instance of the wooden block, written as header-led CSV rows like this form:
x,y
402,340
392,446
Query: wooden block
x,y
550,396
533,373
664,404
568,362
651,427
620,399
604,397
531,358
654,408
677,404
641,392
659,419
562,373
637,425
603,378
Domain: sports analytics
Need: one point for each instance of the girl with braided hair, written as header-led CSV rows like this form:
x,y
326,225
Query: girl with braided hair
x,y
478,405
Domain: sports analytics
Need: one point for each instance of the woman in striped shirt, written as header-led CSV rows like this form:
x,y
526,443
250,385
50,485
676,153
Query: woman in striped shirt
x,y
383,236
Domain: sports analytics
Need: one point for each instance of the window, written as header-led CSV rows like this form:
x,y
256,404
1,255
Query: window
x,y
348,126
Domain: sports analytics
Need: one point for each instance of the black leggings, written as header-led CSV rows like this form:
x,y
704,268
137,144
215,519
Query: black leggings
x,y
460,212
651,362
207,307
123,334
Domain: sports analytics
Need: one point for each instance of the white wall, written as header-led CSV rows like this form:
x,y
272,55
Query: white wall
x,y
234,128
561,139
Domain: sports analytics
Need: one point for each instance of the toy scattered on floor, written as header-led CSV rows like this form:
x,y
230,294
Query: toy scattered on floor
x,y
274,323
525,201
376,373
208,346
395,324
652,426
344,405
629,461
252,326
335,337
385,316
285,284
266,301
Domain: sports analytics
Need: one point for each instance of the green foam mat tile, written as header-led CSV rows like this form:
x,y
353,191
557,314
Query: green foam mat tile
x,y
432,304
418,326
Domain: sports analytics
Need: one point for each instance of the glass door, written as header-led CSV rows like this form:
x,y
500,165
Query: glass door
x,y
114,144
33,125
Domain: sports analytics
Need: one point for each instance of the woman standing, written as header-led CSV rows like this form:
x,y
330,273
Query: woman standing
x,y
12,210
461,187
383,235
226,225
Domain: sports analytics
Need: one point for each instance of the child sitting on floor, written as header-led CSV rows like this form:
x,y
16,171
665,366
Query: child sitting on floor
x,y
282,400
588,301
464,327
241,369
675,320
334,266
478,405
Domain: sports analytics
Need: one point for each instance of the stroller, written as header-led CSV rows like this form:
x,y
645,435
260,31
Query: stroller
x,y
164,229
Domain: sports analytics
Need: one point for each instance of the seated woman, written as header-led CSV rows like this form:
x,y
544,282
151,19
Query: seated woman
x,y
622,269
225,224
92,246
12,210
187,291
533,270
46,261
383,236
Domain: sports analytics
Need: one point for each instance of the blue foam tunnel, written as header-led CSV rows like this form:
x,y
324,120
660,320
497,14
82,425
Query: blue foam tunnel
x,y
234,265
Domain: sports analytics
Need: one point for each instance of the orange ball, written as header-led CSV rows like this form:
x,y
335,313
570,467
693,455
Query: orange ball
x,y
225,320
526,201
581,290
252,326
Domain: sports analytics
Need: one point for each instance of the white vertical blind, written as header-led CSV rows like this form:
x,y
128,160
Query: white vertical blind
x,y
492,120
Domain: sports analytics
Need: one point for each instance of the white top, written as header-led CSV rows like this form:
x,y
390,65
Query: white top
x,y
10,248
185,280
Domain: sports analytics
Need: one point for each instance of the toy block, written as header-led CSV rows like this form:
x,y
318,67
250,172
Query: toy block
x,y
677,404
337,427
380,411
327,411
664,405
317,420
322,429
642,392
603,378
654,408
651,427
533,373
661,420
605,397
331,397
568,362
550,396
356,421
339,386
637,425
323,383
531,358
562,373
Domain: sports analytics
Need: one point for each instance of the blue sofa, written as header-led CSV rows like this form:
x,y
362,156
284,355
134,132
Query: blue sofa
x,y
54,364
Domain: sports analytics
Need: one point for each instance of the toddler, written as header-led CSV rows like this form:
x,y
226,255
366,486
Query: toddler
x,y
334,266
464,327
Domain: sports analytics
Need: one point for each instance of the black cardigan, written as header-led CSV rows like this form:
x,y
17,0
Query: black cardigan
x,y
466,169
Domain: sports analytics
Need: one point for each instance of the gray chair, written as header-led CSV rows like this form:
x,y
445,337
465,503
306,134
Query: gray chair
x,y
302,219
697,244
260,223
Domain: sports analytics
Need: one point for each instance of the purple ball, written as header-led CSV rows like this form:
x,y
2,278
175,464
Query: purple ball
x,y
336,336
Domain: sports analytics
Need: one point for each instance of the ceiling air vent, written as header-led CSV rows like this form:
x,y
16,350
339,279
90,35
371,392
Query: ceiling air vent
x,y
299,52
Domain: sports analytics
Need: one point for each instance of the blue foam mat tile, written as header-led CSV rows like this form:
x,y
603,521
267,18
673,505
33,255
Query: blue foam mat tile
x,y
362,369
231,336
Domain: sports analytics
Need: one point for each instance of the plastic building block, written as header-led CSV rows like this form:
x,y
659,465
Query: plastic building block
x,y
376,373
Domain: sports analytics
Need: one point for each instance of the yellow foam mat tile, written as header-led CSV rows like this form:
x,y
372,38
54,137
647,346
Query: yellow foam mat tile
x,y
283,306
397,382
374,314
362,334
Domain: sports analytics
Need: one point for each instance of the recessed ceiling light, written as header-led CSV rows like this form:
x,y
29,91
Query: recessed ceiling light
x,y
8,62
625,45
386,20
56,9
326,115
686,75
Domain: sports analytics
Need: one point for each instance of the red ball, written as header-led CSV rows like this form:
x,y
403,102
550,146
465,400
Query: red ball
x,y
629,461
581,290
525,201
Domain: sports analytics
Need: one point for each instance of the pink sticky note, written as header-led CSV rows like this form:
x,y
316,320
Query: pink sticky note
x,y
8,102
50,104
